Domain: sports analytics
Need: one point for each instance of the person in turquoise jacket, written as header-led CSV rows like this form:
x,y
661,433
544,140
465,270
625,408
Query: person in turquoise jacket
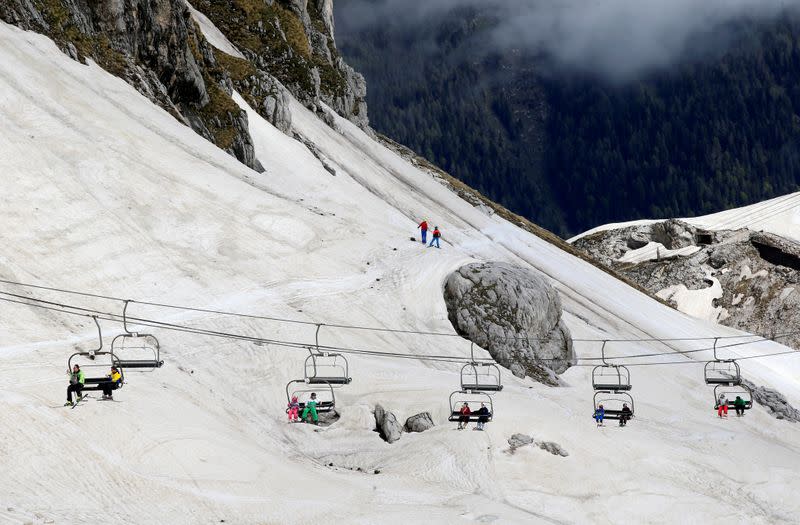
x,y
76,382
311,406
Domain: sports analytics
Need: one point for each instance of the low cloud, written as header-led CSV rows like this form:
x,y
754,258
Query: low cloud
x,y
617,38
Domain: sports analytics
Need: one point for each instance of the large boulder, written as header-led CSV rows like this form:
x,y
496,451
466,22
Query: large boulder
x,y
387,425
419,422
514,314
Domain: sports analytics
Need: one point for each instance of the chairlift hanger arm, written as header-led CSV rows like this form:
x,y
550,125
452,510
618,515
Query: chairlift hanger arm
x,y
99,336
125,318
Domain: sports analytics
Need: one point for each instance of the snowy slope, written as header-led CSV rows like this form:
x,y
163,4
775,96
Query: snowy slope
x,y
107,193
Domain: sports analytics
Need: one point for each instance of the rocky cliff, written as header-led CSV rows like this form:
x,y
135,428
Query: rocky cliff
x,y
157,46
740,278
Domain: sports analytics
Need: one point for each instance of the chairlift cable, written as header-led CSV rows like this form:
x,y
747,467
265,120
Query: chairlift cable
x,y
106,316
368,328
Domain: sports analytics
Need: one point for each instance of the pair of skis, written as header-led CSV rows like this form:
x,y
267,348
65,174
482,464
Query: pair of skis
x,y
83,398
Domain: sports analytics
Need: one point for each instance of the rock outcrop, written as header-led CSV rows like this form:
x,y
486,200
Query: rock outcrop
x,y
291,41
520,440
156,47
283,46
387,425
774,402
749,280
673,234
514,314
419,423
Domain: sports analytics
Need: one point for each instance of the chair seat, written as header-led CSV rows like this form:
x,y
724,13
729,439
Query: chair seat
x,y
96,383
473,418
731,381
138,363
481,388
615,387
614,414
319,380
747,405
322,406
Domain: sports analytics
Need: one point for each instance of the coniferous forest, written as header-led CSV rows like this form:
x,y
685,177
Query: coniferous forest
x,y
572,150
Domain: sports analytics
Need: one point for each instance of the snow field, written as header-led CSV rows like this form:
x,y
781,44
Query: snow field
x,y
106,193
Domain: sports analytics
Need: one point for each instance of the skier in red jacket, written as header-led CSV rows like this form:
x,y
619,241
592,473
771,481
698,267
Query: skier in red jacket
x,y
436,235
423,227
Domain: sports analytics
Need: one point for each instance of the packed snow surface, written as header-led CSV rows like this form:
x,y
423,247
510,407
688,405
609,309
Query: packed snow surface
x,y
104,192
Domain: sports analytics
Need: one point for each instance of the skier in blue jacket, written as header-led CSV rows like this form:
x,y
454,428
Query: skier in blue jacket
x,y
599,414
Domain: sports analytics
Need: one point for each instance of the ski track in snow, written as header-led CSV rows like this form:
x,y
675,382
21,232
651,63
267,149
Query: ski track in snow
x,y
105,192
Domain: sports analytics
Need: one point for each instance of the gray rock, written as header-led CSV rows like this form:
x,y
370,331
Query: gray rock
x,y
419,422
514,314
387,425
553,448
637,240
519,440
774,402
327,419
673,234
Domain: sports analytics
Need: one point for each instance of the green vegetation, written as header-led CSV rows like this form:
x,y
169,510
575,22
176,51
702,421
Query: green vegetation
x,y
63,31
218,113
275,35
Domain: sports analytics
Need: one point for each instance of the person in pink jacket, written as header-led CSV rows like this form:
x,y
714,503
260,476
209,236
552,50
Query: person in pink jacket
x,y
292,409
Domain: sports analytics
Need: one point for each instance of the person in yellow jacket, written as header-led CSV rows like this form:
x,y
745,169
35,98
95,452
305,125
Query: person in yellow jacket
x,y
114,380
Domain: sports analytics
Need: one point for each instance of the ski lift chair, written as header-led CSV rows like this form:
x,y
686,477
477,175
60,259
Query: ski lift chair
x,y
482,377
326,399
725,372
134,350
96,364
612,403
608,377
731,391
612,378
473,400
326,368
722,373
321,368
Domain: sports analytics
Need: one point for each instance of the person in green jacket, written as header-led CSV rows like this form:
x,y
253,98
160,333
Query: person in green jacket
x,y
739,405
311,406
76,382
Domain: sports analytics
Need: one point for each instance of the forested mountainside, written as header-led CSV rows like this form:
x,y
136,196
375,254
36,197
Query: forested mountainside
x,y
573,150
